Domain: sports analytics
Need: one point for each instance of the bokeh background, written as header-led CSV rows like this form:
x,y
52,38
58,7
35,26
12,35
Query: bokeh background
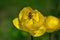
x,y
9,9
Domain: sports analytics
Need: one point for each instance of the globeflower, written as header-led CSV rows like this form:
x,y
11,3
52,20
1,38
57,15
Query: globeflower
x,y
51,24
31,21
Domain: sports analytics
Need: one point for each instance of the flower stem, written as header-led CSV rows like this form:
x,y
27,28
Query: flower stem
x,y
53,36
31,37
49,36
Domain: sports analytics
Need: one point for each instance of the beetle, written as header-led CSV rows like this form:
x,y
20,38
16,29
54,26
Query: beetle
x,y
30,15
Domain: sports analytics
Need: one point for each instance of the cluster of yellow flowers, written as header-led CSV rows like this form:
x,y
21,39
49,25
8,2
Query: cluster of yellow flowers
x,y
35,23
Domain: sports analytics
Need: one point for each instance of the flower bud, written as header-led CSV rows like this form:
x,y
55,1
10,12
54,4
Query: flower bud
x,y
51,23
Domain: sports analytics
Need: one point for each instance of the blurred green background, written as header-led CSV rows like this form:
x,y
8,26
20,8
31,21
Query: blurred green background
x,y
9,9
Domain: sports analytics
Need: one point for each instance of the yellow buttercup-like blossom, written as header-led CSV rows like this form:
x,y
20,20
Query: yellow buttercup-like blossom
x,y
51,23
31,21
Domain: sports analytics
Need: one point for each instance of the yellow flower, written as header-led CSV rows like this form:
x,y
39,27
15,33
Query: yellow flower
x,y
31,21
51,23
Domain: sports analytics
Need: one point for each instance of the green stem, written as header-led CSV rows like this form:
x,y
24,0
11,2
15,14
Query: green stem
x,y
31,37
53,36
49,36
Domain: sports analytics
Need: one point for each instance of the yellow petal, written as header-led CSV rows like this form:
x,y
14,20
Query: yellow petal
x,y
36,16
24,13
39,17
51,23
40,31
16,23
28,25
